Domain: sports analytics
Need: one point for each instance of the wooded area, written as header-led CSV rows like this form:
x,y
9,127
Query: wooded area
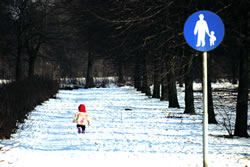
x,y
138,39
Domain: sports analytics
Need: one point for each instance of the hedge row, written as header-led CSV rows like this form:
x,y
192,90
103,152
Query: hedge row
x,y
17,99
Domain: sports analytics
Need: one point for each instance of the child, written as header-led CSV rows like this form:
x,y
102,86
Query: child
x,y
81,118
212,38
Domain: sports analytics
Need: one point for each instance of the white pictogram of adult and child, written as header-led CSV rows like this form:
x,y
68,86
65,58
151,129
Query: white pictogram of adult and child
x,y
201,29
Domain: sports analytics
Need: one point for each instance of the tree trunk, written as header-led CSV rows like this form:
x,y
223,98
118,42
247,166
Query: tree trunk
x,y
181,71
32,61
248,71
164,89
89,77
164,83
121,80
19,68
145,85
189,96
242,98
156,90
211,114
138,76
32,50
234,68
172,91
181,78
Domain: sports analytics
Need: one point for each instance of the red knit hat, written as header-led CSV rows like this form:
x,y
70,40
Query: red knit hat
x,y
82,108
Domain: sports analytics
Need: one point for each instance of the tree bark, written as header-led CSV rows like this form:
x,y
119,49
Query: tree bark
x,y
164,83
138,76
180,80
89,77
189,95
156,90
234,68
32,53
164,89
19,68
145,85
121,74
181,71
248,70
172,91
32,61
211,114
242,98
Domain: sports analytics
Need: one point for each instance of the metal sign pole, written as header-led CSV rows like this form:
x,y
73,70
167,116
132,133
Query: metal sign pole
x,y
198,26
205,111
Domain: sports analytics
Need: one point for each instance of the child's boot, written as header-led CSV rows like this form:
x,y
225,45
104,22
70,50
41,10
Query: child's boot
x,y
79,130
83,132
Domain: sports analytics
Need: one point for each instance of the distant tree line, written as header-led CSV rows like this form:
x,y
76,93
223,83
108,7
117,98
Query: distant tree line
x,y
140,39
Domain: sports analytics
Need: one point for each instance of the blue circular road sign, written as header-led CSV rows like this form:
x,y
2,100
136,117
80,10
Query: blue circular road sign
x,y
204,30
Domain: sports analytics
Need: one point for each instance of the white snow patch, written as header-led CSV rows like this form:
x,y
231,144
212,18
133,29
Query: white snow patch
x,y
127,128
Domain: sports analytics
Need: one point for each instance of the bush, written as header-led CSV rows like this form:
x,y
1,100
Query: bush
x,y
17,99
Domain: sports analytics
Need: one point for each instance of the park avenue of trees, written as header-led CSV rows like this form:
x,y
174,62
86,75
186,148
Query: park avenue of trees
x,y
138,39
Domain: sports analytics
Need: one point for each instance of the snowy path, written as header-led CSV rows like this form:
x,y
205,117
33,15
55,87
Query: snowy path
x,y
127,128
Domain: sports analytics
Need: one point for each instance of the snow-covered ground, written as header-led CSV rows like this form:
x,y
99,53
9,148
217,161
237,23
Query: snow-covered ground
x,y
4,81
127,129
